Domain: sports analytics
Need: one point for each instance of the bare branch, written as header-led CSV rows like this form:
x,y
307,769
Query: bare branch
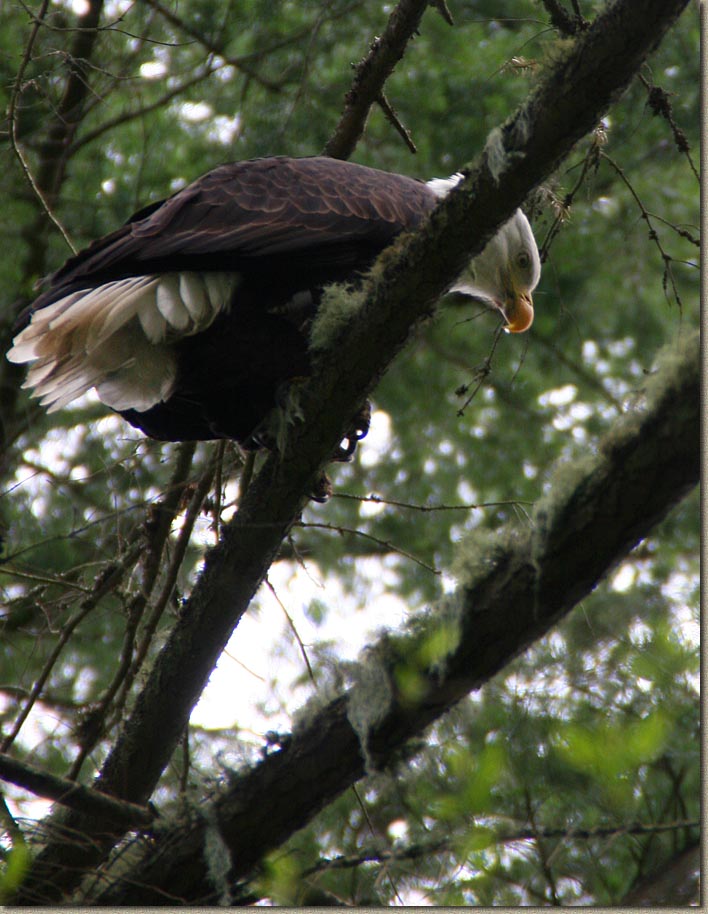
x,y
393,118
214,47
442,7
383,545
157,528
445,846
45,181
201,490
72,795
67,118
371,75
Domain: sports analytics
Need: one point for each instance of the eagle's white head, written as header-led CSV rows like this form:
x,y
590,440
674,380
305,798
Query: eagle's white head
x,y
508,269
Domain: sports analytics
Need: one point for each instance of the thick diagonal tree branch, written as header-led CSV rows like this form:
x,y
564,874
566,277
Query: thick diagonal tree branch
x,y
513,588
402,292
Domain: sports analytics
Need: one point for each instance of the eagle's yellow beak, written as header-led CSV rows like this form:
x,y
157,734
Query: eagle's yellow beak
x,y
518,311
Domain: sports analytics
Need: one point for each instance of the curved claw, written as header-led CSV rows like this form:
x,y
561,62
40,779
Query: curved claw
x,y
358,430
345,452
362,421
321,490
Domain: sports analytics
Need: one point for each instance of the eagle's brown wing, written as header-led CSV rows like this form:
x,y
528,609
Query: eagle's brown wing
x,y
241,214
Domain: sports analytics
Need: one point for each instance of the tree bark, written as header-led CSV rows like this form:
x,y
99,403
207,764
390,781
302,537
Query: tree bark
x,y
674,884
403,290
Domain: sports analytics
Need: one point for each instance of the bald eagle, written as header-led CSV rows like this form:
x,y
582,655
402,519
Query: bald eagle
x,y
192,318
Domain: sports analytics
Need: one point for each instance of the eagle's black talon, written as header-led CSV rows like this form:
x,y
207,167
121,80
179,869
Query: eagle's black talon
x,y
345,452
322,489
362,421
358,430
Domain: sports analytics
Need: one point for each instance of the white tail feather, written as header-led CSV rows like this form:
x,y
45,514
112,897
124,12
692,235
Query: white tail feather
x,y
170,305
123,307
194,295
118,338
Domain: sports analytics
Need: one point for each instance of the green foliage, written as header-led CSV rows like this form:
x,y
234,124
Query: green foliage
x,y
526,792
14,869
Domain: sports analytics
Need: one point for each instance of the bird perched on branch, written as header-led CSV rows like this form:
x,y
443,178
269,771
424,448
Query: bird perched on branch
x,y
192,318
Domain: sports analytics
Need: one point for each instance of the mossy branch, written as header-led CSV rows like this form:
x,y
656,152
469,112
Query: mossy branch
x,y
512,589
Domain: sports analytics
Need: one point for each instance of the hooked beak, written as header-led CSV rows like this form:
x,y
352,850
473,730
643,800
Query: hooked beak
x,y
518,311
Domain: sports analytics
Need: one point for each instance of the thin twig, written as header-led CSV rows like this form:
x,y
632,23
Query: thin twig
x,y
481,373
214,47
653,234
200,493
562,207
43,578
105,583
539,844
447,845
315,29
293,629
660,105
390,547
12,122
127,116
393,118
391,502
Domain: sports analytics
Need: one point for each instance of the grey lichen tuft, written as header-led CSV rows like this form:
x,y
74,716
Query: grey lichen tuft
x,y
480,553
330,685
338,305
520,130
370,698
496,154
217,857
448,632
504,144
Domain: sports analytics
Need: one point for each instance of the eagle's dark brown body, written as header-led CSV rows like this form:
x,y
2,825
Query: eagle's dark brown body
x,y
285,228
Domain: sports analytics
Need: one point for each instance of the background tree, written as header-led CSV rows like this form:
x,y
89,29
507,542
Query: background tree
x,y
572,776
